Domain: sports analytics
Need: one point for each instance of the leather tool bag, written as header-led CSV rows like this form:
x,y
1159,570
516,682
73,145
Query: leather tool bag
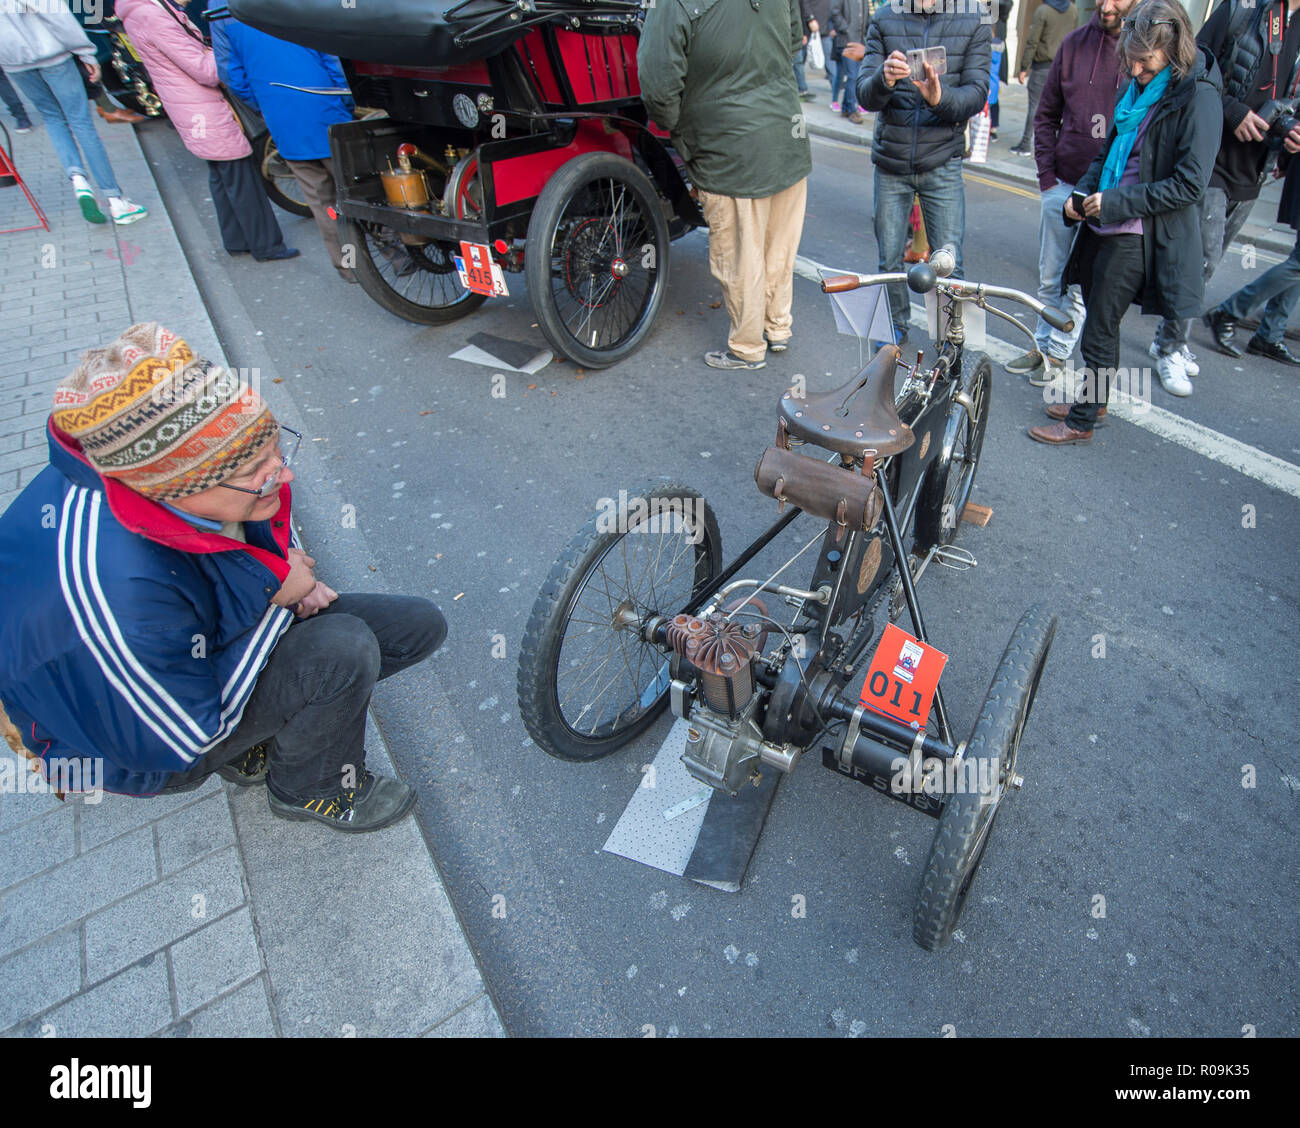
x,y
820,488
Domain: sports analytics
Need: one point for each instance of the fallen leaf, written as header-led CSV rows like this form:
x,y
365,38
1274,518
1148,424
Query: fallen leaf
x,y
372,567
277,380
714,305
429,412
531,387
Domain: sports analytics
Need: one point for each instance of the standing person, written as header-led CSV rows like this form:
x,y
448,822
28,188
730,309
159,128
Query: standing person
x,y
1141,238
850,19
1053,20
23,123
997,48
184,75
920,129
1277,289
38,44
1078,98
91,17
1256,44
801,56
717,77
261,70
817,21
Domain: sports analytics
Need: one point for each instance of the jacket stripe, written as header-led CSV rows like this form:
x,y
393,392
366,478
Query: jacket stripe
x,y
164,698
274,623
67,556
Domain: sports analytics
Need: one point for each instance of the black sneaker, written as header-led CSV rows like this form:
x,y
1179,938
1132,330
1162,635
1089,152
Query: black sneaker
x,y
378,802
248,769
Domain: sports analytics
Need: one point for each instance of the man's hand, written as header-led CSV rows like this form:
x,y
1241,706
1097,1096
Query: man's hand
x,y
1292,142
1070,213
1092,205
92,69
1020,78
320,597
929,87
300,582
855,51
1252,128
896,68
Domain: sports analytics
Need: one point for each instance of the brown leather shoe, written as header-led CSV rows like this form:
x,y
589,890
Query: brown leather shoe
x,y
1059,411
120,115
1059,434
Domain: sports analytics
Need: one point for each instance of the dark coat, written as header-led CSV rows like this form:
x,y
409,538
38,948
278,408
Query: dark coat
x,y
910,135
1288,208
1175,163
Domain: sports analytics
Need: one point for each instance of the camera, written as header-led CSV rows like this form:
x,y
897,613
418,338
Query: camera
x,y
1280,116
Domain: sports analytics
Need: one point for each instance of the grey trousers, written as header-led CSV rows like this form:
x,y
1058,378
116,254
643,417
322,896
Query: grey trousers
x,y
1221,222
1035,83
318,187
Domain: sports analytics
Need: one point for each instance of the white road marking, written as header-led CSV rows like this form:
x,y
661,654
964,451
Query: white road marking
x,y
1217,447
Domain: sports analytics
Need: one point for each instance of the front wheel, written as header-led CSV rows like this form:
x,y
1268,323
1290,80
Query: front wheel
x,y
588,682
596,261
282,187
987,773
951,478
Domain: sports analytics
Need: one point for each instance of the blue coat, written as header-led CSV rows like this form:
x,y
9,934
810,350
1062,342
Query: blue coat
x,y
249,61
126,633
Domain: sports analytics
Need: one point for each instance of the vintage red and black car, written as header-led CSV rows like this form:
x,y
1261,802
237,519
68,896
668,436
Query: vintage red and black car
x,y
510,139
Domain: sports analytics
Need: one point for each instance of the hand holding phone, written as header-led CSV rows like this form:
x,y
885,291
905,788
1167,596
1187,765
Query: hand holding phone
x,y
937,57
1076,204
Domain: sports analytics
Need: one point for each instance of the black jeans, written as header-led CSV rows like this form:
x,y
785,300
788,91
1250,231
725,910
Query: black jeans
x,y
1112,272
311,696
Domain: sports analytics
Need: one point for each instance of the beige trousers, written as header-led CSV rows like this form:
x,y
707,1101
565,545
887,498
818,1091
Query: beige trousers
x,y
752,248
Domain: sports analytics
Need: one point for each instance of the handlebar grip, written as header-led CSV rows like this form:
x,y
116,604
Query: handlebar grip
x,y
1057,320
838,283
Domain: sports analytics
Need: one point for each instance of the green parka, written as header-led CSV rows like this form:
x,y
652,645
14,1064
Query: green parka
x,y
717,75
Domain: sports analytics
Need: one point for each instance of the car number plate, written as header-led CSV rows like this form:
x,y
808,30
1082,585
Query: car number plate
x,y
478,272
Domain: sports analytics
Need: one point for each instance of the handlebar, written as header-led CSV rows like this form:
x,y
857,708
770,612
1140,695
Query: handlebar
x,y
923,278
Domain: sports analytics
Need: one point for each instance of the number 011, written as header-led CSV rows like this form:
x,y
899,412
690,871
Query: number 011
x,y
878,686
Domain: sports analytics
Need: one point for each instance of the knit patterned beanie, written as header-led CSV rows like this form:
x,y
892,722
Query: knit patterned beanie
x,y
159,419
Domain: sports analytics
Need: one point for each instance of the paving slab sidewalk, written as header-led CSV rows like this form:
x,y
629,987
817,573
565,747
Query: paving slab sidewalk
x,y
196,914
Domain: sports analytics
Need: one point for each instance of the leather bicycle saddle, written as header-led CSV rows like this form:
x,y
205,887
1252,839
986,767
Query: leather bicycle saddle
x,y
857,417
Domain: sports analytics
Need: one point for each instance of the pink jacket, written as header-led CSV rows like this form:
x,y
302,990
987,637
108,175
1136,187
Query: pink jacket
x,y
184,75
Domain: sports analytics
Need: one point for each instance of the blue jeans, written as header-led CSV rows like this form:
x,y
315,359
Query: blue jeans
x,y
846,75
943,207
58,93
1279,289
10,98
831,65
1054,243
799,79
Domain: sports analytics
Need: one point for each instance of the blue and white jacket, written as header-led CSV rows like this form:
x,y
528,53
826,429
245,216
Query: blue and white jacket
x,y
126,632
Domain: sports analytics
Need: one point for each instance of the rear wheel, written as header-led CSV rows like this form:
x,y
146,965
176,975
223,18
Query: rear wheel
x,y
988,772
952,476
416,282
588,682
597,258
282,187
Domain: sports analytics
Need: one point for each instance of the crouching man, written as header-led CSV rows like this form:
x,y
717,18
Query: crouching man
x,y
159,613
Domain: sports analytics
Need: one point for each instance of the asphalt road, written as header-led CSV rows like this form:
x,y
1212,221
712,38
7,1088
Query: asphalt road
x,y
1133,762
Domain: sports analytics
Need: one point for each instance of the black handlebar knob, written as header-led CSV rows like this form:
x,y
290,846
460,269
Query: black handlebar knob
x,y
921,279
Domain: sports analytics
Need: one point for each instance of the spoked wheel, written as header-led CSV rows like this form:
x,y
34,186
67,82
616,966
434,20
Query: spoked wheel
x,y
418,283
588,683
952,476
282,187
988,772
597,258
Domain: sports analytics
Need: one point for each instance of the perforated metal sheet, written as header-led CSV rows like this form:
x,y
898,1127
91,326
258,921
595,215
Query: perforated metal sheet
x,y
642,833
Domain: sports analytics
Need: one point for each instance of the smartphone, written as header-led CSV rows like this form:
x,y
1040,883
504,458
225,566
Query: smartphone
x,y
937,57
1076,201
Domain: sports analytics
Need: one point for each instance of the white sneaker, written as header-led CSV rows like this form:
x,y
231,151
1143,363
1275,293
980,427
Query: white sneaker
x,y
123,211
1189,359
1173,377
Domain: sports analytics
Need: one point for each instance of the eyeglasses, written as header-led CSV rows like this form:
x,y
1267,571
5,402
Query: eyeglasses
x,y
1131,22
285,459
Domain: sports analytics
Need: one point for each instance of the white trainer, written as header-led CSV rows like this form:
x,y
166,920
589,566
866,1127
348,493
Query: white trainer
x,y
1173,377
1189,359
123,211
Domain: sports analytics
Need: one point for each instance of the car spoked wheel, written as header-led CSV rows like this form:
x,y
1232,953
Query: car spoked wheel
x,y
588,680
596,262
416,281
282,187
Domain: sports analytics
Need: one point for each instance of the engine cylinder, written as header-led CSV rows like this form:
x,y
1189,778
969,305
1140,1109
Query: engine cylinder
x,y
722,653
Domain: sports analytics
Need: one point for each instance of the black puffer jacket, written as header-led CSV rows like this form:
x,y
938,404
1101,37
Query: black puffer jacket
x,y
1175,163
910,135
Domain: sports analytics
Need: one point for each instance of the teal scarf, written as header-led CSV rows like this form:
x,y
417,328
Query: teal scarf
x,y
1129,114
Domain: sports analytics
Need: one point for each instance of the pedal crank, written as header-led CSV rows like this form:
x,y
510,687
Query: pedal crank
x,y
950,556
